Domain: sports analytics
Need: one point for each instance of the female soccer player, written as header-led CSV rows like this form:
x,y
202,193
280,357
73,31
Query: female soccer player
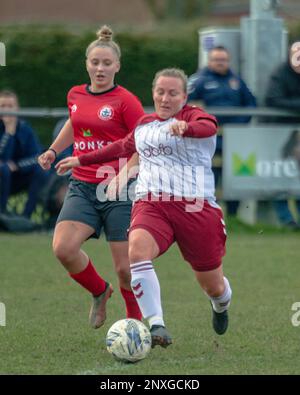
x,y
100,113
175,147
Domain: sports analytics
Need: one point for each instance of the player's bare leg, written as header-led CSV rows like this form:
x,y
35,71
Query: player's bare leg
x,y
142,250
119,251
67,241
217,287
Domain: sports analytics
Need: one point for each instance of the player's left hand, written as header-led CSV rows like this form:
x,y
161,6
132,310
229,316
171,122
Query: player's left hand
x,y
178,128
66,164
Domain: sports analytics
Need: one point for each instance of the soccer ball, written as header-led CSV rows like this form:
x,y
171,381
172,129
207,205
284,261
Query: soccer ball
x,y
128,340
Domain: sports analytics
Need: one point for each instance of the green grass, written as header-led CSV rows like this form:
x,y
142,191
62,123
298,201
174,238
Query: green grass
x,y
47,329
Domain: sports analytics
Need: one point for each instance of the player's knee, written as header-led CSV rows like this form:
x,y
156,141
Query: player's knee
x,y
140,249
136,253
64,252
214,290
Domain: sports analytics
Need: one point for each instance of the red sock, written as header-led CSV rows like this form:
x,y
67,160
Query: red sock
x,y
132,308
90,280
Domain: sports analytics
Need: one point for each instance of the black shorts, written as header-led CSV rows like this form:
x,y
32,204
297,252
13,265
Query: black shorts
x,y
81,204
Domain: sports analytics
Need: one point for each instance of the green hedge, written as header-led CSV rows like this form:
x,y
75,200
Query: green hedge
x,y
43,64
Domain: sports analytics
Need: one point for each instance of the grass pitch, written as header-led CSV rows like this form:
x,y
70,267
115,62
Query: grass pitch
x,y
47,329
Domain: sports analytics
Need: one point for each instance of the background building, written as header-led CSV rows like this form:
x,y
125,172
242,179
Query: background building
x,y
75,11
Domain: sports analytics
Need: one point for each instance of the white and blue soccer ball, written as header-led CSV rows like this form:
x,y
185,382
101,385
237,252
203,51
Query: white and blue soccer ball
x,y
128,340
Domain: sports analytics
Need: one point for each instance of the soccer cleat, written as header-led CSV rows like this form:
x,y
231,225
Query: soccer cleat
x,y
98,309
220,322
160,336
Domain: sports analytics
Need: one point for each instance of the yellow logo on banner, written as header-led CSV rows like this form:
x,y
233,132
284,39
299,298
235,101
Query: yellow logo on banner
x,y
244,167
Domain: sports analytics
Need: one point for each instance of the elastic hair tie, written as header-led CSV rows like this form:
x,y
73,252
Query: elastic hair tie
x,y
53,150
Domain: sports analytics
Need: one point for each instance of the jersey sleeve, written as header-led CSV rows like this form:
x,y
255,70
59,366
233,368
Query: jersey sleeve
x,y
200,123
116,150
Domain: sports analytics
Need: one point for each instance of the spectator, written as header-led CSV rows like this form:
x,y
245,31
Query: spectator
x,y
283,92
217,86
19,148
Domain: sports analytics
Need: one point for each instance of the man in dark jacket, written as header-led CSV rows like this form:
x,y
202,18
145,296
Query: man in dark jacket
x,y
217,86
19,148
283,92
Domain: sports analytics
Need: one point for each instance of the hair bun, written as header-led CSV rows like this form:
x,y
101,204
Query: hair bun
x,y
105,34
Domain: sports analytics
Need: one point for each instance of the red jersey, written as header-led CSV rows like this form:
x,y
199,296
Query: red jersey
x,y
99,119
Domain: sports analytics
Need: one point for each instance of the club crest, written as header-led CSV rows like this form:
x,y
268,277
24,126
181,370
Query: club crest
x,y
106,113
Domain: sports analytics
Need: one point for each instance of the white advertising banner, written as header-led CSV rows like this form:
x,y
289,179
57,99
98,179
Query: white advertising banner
x,y
261,162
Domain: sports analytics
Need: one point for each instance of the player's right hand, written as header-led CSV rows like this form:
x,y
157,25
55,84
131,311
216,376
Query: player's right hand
x,y
66,164
46,159
178,128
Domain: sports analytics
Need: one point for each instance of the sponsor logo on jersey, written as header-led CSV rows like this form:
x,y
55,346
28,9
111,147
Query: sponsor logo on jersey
x,y
85,145
86,132
106,113
74,108
161,150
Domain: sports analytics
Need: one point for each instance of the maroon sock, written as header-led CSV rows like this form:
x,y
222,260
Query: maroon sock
x,y
90,280
132,308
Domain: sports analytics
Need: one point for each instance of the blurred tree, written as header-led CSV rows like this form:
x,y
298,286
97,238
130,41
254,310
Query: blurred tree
x,y
158,8
196,8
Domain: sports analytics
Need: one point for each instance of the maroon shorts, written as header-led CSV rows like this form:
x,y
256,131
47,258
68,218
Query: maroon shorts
x,y
200,235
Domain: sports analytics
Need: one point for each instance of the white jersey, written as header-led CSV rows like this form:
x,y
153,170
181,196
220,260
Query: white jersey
x,y
178,166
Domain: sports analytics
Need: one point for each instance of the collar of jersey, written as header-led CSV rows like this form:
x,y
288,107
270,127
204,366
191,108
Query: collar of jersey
x,y
173,116
87,88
